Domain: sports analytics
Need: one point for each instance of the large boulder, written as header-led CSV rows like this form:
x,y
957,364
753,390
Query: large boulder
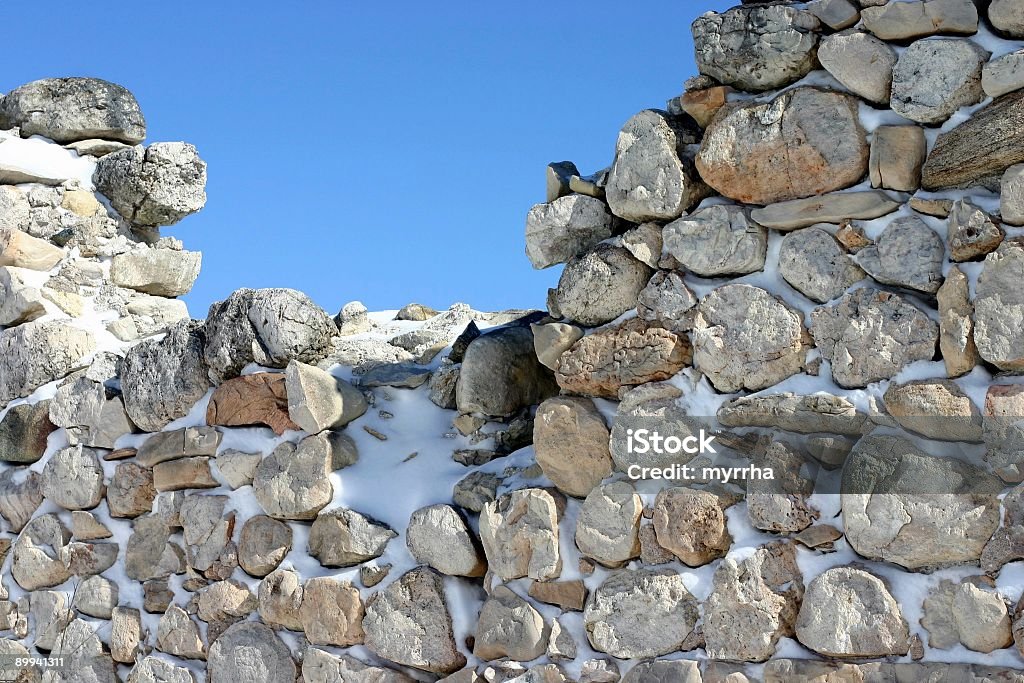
x,y
652,177
566,227
745,338
913,509
155,185
717,241
805,142
601,285
933,78
999,307
72,109
37,353
500,374
756,48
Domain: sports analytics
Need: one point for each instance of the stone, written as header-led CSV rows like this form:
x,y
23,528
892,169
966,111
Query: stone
x,y
264,542
126,633
509,626
250,652
20,250
319,401
37,353
570,595
753,604
130,492
184,473
643,242
258,399
153,186
628,354
568,226
439,537
608,524
805,142
19,499
667,301
829,208
781,504
500,374
519,533
897,155
331,612
269,327
756,48
19,302
475,490
409,623
551,340
73,479
280,599
692,524
178,635
906,254
154,670
913,509
157,596
678,671
163,378
870,335
557,176
570,440
38,554
1002,431
207,532
601,285
236,468
96,147
71,109
933,78
980,149
599,671
702,105
836,14
997,304
24,431
964,613
745,338
934,408
956,324
561,645
848,612
84,658
814,263
96,597
906,20
415,312
345,538
399,375
717,241
353,319
972,232
1011,195
90,417
147,316
149,553
861,63
653,177
1003,74
51,616
1007,17
224,600
179,443
293,482
640,613
160,272
320,667
85,527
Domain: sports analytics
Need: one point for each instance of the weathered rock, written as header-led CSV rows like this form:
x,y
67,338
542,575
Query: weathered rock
x,y
24,430
905,20
1002,432
805,142
956,324
321,667
1011,195
628,354
972,233
317,401
836,14
653,177
816,265
870,335
131,491
717,240
155,185
642,613
608,524
756,48
1003,74
149,553
89,416
964,613
73,478
184,473
225,600
831,208
600,671
70,109
331,612
85,527
933,78
236,468
153,670
475,490
907,254
916,510
207,530
667,301
439,538
126,633
39,552
161,272
692,524
745,338
569,595
519,534
19,302
848,612
702,105
36,353
250,653
570,440
501,374
84,658
897,154
601,285
1008,17
19,499
408,623
566,227
263,543
780,504
658,670
509,626
861,62
179,443
551,340
293,482
258,399
178,635
345,538
937,409
280,598
998,299
96,597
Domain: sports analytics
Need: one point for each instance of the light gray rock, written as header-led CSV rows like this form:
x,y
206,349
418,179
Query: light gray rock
x,y
998,299
439,537
501,374
409,623
146,316
39,553
37,353
551,340
509,626
331,612
667,300
653,177
149,553
897,155
907,254
73,478
905,20
972,233
601,285
644,242
860,62
320,667
756,48
870,335
293,482
237,468
935,77
179,443
934,408
570,440
662,670
716,241
319,401
568,226
71,109
475,490
608,524
805,414
814,263
96,597
280,599
956,613
1003,74
84,658
161,272
519,534
913,509
155,185
1011,195
781,504
848,612
155,670
250,652
21,250
1008,17
87,414
745,338
263,543
956,324
345,538
836,14
641,613
830,208
207,529
19,499
178,635
19,302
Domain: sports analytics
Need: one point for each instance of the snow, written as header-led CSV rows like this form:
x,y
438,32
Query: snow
x,y
40,157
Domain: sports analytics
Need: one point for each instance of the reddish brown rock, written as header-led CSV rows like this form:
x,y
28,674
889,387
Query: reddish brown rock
x,y
258,399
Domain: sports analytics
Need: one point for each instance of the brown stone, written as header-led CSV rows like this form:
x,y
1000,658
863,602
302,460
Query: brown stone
x,y
897,153
185,473
939,208
702,105
570,440
956,325
258,399
569,595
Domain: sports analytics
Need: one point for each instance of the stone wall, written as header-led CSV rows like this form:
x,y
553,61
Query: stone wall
x,y
812,256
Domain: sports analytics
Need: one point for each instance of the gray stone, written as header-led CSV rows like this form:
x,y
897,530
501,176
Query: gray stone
x,y
178,635
73,478
601,285
263,543
24,431
19,302
395,375
905,20
280,599
933,78
345,538
439,537
956,613
860,62
667,300
805,414
897,155
37,353
84,658
21,250
131,491
781,504
972,233
19,499
154,670
501,374
71,109
934,408
551,340
608,524
756,48
319,401
644,242
1003,74
830,208
236,468
956,324
96,597
814,263
998,298
1011,195
160,272
39,554
250,653
519,533
293,482
331,612
320,667
1001,431
155,185
907,254
475,490
557,176
664,670
566,227
89,416
509,626
179,443
207,531
717,241
1008,17
149,553
836,14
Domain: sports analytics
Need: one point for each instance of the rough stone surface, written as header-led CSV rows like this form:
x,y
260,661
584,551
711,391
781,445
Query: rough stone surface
x,y
972,232
906,254
37,353
897,155
667,301
509,626
998,307
551,340
438,537
73,478
519,533
570,440
263,544
956,324
781,504
317,400
1008,17
716,241
831,208
816,265
906,20
501,374
806,414
937,409
72,109
331,612
345,538
933,78
294,482
1003,74
861,62
566,227
608,524
161,272
155,185
24,430
259,399
692,524
250,653
601,285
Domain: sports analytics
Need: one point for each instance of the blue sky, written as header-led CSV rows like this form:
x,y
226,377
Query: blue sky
x,y
385,152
